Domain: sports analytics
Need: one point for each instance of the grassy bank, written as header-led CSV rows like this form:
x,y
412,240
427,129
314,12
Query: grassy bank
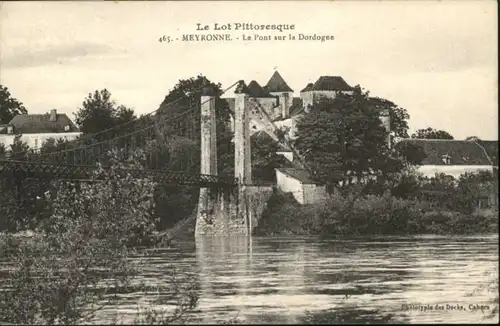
x,y
367,216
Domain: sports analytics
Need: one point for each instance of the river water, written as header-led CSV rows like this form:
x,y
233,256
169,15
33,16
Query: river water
x,y
425,279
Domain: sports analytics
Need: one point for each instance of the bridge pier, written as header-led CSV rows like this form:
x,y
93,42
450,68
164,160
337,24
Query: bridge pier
x,y
232,211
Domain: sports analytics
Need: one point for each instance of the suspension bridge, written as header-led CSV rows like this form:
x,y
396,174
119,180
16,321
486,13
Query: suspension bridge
x,y
170,145
177,145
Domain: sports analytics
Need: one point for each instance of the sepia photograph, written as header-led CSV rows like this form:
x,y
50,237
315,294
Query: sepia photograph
x,y
249,162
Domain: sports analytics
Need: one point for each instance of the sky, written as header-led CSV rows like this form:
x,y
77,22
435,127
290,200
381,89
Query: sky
x,y
436,59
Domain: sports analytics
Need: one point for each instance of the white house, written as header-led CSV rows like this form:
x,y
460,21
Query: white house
x,y
451,157
35,129
299,184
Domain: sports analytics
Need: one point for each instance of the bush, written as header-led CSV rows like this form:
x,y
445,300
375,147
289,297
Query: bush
x,y
57,276
367,215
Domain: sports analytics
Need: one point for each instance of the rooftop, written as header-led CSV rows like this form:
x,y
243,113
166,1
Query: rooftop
x,y
300,174
329,83
41,123
255,90
309,87
450,152
277,84
491,147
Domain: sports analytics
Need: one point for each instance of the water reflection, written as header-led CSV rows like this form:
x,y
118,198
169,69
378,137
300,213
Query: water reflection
x,y
279,281
284,280
306,280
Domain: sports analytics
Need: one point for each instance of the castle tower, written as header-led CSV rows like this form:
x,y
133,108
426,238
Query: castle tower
x,y
277,86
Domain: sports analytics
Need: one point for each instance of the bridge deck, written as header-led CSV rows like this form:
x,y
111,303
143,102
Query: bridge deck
x,y
42,170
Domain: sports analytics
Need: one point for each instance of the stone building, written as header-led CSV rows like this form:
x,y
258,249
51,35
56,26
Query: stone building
x,y
273,106
324,87
282,109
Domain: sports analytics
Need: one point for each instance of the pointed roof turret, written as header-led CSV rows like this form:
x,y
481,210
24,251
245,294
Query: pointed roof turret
x,y
331,83
255,90
277,84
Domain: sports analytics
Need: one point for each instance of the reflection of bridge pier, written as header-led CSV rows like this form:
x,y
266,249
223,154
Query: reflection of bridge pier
x,y
238,274
228,211
222,261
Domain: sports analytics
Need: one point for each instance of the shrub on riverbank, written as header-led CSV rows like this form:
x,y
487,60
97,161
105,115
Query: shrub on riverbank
x,y
368,215
77,263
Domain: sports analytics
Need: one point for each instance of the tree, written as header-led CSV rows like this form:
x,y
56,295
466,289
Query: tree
x,y
264,157
343,135
471,188
343,138
99,112
431,133
183,101
473,138
19,149
398,116
53,145
57,276
9,106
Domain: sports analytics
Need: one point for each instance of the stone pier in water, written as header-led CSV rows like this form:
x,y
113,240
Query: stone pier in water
x,y
229,211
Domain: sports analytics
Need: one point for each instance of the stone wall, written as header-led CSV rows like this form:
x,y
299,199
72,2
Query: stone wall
x,y
228,212
307,99
269,104
255,202
314,193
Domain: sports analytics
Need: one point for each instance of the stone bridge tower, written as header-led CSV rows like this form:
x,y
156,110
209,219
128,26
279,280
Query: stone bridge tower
x,y
235,211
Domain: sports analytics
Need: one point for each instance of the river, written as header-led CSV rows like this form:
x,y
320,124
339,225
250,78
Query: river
x,y
425,279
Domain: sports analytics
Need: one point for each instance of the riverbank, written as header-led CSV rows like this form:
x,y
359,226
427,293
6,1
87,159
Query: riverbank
x,y
370,215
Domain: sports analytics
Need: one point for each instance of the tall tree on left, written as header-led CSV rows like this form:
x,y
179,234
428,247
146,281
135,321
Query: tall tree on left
x,y
9,106
99,112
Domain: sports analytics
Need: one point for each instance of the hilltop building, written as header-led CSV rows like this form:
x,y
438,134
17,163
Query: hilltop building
x,y
35,129
274,104
452,157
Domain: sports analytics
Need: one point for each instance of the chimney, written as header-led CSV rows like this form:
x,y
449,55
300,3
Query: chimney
x,y
53,115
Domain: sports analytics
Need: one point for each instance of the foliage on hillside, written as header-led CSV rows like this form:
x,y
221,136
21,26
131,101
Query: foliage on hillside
x,y
345,135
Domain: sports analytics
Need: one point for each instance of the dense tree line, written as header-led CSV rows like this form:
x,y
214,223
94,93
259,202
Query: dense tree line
x,y
343,139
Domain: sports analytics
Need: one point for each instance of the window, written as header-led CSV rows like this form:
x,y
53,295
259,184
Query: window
x,y
66,128
10,129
